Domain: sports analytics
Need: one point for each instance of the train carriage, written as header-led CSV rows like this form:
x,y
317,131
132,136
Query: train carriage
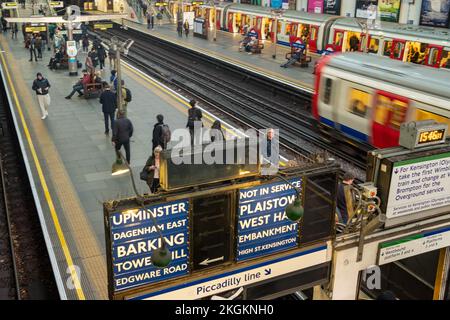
x,y
367,97
421,45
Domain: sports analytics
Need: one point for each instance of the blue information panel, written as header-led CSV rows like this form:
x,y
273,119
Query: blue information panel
x,y
134,237
263,227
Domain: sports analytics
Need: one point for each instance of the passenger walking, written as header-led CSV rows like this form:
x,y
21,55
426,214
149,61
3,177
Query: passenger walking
x,y
151,169
32,48
94,57
101,53
109,105
180,28
122,132
186,28
41,86
161,133
78,87
4,24
194,115
341,199
152,20
216,132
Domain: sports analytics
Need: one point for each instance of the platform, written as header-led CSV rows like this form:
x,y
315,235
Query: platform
x,y
69,158
226,48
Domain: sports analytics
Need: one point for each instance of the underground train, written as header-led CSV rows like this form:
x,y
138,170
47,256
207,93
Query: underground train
x,y
367,97
407,43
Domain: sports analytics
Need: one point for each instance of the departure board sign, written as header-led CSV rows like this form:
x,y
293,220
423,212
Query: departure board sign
x,y
9,5
56,4
263,227
35,29
419,184
103,26
134,236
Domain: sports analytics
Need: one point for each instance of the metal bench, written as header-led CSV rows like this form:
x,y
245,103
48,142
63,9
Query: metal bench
x,y
257,47
92,90
303,61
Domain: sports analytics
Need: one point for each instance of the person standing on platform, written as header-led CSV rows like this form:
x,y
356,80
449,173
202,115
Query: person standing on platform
x,y
126,98
151,169
113,79
101,52
41,86
94,57
85,43
122,132
149,20
216,133
14,30
180,28
186,28
152,20
38,45
161,133
112,58
32,48
4,25
194,114
341,209
109,105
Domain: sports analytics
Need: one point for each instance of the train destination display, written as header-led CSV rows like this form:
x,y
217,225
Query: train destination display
x,y
263,227
134,236
419,184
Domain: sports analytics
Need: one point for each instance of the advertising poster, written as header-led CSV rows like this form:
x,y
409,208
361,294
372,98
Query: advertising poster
x,y
315,6
276,4
332,7
362,7
389,10
435,13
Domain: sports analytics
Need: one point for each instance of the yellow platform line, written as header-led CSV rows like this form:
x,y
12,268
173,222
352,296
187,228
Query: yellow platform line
x,y
48,198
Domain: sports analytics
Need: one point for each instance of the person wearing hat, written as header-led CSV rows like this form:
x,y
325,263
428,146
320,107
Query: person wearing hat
x,y
41,86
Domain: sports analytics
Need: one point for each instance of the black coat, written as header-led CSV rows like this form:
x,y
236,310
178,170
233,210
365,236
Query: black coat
x,y
101,53
157,135
108,101
42,84
123,130
342,203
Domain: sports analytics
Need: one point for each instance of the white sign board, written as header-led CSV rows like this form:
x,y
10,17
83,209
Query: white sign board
x,y
72,48
418,185
241,277
413,245
189,16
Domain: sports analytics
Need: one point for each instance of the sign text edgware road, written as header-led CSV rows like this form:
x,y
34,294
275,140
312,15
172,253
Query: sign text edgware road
x,y
419,184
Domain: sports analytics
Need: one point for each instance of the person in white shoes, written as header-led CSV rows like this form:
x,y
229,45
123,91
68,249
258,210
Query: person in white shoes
x,y
41,86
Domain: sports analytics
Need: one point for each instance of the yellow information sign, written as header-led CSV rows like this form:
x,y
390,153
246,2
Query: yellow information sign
x,y
103,26
35,29
56,4
161,4
9,5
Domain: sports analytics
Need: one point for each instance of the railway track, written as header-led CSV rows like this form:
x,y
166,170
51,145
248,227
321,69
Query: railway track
x,y
25,271
252,108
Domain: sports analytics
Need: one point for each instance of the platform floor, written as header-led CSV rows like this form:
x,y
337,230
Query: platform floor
x,y
226,48
70,160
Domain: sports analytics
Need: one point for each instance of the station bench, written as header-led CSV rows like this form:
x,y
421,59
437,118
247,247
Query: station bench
x,y
92,90
257,47
304,60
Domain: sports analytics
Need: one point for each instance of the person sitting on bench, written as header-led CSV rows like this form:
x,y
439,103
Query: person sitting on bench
x,y
244,42
296,56
250,45
78,87
53,64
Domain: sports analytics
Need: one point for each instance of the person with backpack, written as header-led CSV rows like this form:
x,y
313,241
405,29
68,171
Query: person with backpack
x,y
161,133
126,98
194,115
32,47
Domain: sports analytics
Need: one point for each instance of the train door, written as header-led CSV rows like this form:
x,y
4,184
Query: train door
x,y
433,56
218,18
230,22
338,39
389,113
326,105
398,49
313,38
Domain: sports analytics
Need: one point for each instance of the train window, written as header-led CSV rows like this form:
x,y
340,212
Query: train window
x,y
313,34
339,36
427,115
327,92
278,27
383,107
359,102
445,61
288,29
433,54
387,48
374,45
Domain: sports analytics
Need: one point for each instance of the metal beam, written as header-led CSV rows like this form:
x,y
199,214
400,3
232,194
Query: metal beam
x,y
59,19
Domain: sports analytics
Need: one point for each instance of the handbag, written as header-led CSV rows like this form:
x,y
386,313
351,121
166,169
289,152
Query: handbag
x,y
144,174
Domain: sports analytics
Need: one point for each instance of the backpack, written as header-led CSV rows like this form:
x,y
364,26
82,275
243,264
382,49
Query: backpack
x,y
165,134
128,96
